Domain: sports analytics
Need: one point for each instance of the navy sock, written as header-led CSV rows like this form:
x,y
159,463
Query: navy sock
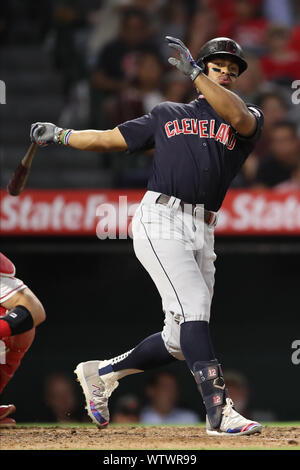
x,y
195,342
148,354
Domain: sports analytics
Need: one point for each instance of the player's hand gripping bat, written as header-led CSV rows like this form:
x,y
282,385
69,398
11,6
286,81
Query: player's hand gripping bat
x,y
19,178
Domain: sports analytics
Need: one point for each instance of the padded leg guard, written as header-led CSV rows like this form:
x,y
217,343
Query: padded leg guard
x,y
16,347
210,381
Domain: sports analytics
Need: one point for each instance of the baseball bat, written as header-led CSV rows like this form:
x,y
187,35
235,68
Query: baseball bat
x,y
19,178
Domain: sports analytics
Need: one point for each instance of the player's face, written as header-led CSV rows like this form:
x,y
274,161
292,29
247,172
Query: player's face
x,y
222,71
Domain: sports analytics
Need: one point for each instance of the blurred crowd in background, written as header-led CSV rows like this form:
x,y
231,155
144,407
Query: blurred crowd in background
x,y
112,58
160,403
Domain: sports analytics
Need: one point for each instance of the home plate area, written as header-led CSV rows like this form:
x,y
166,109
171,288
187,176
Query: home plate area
x,y
127,437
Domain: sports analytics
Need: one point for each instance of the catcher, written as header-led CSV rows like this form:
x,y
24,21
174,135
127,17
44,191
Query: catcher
x,y
20,312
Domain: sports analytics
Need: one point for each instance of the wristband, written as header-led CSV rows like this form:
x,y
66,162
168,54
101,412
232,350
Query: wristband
x,y
199,67
67,136
64,139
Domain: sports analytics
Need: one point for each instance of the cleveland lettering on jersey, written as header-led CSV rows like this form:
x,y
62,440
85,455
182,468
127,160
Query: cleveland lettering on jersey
x,y
204,128
196,152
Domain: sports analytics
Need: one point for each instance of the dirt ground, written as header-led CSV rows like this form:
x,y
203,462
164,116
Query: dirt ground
x,y
130,437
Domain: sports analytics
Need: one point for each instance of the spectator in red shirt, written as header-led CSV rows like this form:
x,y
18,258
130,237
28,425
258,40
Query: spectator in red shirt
x,y
224,10
294,42
247,27
280,65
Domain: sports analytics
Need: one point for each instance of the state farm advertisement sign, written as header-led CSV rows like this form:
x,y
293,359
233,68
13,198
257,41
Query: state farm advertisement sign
x,y
89,212
260,213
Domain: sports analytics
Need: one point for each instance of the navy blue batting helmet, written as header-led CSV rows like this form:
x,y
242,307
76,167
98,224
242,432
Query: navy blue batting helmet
x,y
223,46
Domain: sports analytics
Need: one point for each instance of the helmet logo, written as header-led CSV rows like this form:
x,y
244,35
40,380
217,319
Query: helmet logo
x,y
231,47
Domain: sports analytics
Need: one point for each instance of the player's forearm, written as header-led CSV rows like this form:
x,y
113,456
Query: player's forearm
x,y
226,103
44,133
94,140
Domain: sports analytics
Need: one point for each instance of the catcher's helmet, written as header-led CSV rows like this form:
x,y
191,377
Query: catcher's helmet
x,y
223,46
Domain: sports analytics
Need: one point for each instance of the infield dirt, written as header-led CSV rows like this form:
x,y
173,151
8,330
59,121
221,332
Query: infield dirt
x,y
142,438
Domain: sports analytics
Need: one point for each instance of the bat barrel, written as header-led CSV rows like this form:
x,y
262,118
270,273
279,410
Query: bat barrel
x,y
19,178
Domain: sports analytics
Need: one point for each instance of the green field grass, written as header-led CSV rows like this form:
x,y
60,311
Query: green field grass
x,y
91,425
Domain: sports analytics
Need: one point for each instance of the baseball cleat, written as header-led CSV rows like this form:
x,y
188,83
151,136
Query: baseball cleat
x,y
233,424
97,390
6,410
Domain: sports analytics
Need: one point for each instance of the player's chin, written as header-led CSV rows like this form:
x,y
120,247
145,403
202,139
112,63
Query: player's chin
x,y
226,84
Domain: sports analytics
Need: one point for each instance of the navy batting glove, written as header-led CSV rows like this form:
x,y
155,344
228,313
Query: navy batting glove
x,y
44,133
186,64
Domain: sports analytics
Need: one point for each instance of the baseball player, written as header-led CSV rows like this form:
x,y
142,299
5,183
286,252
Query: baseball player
x,y
199,148
20,312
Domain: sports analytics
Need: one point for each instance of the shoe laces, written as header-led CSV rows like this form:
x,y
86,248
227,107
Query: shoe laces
x,y
104,391
109,388
229,411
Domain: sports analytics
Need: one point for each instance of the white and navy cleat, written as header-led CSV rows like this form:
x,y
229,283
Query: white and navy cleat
x,y
97,390
233,424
